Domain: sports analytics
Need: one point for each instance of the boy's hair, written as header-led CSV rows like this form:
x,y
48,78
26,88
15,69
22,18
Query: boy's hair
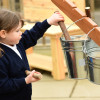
x,y
1,52
8,21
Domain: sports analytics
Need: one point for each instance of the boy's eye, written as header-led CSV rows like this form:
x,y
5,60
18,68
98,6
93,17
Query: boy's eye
x,y
17,30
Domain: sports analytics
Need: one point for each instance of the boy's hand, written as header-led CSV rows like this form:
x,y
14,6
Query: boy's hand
x,y
32,76
55,18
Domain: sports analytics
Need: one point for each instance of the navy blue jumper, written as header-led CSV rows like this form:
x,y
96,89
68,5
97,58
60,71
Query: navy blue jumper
x,y
12,67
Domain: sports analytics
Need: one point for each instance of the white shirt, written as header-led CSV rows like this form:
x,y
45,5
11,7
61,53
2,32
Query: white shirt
x,y
14,48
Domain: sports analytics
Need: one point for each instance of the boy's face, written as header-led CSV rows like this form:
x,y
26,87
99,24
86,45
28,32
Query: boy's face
x,y
13,37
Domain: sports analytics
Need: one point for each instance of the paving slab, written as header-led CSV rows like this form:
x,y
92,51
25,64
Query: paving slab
x,y
65,98
85,88
47,77
52,88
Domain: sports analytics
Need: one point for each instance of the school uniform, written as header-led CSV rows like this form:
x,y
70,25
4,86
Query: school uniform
x,y
14,63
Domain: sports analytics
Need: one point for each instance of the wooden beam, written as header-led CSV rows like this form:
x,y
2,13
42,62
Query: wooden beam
x,y
86,24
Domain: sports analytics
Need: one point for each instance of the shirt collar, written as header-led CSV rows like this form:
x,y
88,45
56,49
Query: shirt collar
x,y
12,47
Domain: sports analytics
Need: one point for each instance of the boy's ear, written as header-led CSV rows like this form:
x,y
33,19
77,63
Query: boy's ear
x,y
2,33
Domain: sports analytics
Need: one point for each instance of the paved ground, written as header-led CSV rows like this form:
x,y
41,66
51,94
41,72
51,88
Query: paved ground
x,y
68,89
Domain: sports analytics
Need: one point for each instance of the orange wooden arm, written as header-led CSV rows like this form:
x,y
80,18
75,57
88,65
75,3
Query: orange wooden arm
x,y
86,24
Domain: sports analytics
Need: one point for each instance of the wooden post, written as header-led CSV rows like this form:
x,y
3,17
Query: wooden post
x,y
6,3
29,51
92,7
43,40
57,58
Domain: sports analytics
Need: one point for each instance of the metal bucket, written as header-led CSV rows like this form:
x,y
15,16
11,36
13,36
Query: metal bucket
x,y
93,59
92,49
94,70
75,57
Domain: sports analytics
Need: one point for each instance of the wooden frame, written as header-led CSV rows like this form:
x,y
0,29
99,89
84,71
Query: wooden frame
x,y
74,14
